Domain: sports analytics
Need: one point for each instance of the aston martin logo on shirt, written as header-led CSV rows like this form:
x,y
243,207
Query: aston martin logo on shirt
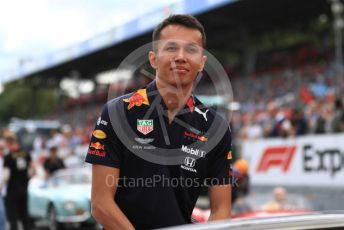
x,y
144,141
137,99
145,126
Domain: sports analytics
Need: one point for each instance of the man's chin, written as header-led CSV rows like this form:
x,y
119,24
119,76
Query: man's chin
x,y
182,81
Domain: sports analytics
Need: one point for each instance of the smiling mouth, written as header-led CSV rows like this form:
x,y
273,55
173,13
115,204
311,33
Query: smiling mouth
x,y
179,70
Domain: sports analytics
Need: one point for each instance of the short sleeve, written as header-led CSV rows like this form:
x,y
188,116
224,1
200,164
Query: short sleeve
x,y
220,171
105,148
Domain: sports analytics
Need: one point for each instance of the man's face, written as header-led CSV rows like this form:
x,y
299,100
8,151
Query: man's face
x,y
179,55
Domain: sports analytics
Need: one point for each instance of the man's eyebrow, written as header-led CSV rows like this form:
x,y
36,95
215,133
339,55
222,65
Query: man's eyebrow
x,y
171,43
192,44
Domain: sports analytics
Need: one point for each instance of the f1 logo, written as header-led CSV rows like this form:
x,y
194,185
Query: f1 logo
x,y
190,162
276,157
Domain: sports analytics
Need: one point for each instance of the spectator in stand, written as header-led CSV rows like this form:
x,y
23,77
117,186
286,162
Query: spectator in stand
x,y
252,129
53,162
298,123
338,113
342,123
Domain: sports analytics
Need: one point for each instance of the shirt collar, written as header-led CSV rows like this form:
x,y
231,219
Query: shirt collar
x,y
158,107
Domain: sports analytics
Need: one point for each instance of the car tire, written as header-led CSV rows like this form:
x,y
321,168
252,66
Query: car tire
x,y
88,226
53,224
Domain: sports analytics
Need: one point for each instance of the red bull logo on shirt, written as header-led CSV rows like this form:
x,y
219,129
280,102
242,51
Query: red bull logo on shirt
x,y
97,145
195,136
137,99
145,126
97,149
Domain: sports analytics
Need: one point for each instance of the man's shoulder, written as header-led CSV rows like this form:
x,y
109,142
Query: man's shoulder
x,y
130,100
209,114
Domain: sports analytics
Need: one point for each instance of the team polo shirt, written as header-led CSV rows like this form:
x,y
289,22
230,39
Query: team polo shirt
x,y
134,135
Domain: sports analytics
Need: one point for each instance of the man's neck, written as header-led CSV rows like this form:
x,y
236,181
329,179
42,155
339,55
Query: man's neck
x,y
175,97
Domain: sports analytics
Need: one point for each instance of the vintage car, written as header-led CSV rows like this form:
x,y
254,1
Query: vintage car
x,y
62,199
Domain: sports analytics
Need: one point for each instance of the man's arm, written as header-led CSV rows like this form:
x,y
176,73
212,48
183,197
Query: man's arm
x,y
6,173
104,208
220,202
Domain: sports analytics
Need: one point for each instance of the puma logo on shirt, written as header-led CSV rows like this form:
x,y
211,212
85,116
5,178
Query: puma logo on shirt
x,y
204,114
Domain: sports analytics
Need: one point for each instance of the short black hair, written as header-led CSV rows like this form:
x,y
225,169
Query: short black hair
x,y
183,20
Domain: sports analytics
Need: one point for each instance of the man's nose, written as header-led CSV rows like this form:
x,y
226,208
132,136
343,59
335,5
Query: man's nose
x,y
180,56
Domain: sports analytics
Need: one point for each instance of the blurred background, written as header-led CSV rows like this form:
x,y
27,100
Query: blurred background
x,y
58,62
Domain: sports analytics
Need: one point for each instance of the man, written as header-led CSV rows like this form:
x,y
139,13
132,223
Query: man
x,y
177,58
280,201
53,162
4,174
18,164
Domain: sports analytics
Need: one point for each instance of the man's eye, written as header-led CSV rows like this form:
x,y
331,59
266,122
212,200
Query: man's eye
x,y
171,48
191,50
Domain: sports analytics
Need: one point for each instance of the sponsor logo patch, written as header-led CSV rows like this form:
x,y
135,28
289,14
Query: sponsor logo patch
x,y
144,140
99,134
195,136
204,114
192,151
137,99
189,163
96,149
97,145
145,126
100,121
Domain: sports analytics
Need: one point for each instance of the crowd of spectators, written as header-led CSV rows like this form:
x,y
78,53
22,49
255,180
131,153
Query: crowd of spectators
x,y
279,102
290,102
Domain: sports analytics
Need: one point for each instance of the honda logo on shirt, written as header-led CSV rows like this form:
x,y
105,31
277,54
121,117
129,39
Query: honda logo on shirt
x,y
279,157
190,162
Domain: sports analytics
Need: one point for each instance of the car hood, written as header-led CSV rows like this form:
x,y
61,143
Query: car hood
x,y
66,192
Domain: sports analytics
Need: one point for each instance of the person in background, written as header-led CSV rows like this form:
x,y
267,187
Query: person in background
x,y
18,163
280,201
242,179
336,119
4,175
342,123
53,162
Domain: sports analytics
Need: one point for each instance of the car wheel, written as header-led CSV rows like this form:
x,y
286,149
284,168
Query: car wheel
x,y
88,226
53,224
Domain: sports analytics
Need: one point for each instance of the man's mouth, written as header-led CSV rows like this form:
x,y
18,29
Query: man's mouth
x,y
179,70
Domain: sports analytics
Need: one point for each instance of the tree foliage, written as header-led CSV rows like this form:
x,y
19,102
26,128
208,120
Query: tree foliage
x,y
25,101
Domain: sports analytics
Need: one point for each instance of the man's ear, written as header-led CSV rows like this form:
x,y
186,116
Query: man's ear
x,y
152,59
203,60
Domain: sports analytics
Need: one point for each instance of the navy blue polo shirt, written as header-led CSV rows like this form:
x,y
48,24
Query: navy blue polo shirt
x,y
163,166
